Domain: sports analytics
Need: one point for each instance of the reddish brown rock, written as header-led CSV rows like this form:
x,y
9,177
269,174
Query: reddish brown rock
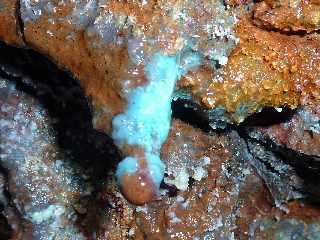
x,y
216,184
105,45
10,31
236,2
299,133
288,16
210,178
223,196
296,141
301,221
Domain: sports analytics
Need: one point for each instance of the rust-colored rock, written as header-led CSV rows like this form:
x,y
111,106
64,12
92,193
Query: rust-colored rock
x,y
138,188
208,206
288,16
10,31
299,133
236,2
217,184
106,44
68,47
223,198
266,69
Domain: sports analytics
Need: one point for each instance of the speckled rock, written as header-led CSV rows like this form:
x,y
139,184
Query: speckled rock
x,y
106,44
300,133
301,222
296,142
281,178
235,184
10,29
288,16
266,69
44,186
212,190
205,177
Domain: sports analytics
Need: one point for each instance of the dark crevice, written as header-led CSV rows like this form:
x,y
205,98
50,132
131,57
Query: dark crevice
x,y
269,28
20,23
6,230
172,191
256,169
299,33
65,101
268,117
191,113
70,112
309,187
198,117
306,167
267,164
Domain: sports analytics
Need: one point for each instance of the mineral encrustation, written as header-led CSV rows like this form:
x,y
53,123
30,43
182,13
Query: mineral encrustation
x,y
209,108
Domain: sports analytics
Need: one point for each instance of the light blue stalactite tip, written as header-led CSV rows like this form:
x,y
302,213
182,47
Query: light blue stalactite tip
x,y
128,165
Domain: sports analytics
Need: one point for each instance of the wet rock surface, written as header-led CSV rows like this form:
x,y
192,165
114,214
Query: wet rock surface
x,y
259,66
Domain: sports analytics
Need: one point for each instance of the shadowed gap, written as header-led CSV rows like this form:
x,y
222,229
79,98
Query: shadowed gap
x,y
70,112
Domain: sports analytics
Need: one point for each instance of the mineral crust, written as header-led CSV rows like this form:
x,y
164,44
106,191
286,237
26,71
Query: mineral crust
x,y
266,69
244,69
247,181
211,191
288,16
43,186
10,29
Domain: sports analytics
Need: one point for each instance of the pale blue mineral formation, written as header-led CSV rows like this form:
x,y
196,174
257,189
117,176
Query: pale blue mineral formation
x,y
147,119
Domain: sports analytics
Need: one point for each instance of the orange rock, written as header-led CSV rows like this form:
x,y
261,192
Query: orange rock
x,y
138,188
99,69
266,69
98,54
10,31
288,16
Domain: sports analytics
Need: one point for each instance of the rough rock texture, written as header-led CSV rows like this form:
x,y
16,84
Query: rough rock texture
x,y
222,199
302,222
266,69
288,16
256,180
106,43
10,29
300,133
43,186
296,141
